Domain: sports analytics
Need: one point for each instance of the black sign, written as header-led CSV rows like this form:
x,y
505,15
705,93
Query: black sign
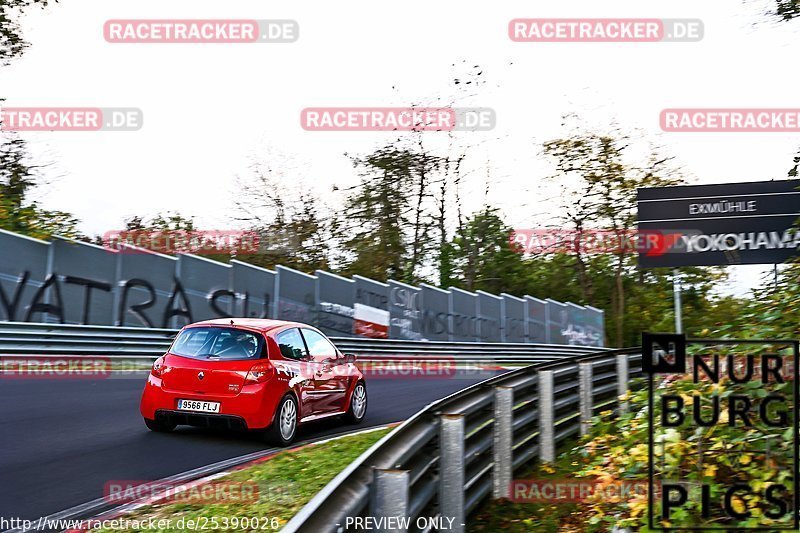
x,y
727,224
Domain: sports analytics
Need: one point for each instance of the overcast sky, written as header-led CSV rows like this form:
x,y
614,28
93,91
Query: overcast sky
x,y
211,110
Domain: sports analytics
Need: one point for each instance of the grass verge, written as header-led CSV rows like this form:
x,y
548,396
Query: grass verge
x,y
286,482
505,515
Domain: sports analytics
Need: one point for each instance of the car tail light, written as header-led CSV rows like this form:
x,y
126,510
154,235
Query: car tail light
x,y
158,367
259,373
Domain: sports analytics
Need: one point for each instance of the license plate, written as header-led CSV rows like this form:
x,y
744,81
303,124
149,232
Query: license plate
x,y
198,405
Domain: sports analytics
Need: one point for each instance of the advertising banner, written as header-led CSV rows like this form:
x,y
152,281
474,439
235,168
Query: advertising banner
x,y
371,309
405,311
726,224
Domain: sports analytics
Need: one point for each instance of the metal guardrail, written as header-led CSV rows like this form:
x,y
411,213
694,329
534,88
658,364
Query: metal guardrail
x,y
59,339
141,343
446,459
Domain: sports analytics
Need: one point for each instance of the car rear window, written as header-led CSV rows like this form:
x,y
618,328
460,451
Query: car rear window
x,y
217,343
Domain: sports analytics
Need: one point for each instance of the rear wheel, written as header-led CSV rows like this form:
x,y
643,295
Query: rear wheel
x,y
159,427
284,426
358,404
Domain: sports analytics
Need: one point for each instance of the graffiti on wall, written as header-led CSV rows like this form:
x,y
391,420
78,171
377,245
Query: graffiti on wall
x,y
76,283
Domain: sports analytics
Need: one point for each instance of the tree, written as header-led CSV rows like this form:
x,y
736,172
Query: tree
x,y
451,178
793,170
775,310
484,257
787,9
292,229
605,198
169,233
168,222
436,206
18,177
425,165
576,161
12,43
385,231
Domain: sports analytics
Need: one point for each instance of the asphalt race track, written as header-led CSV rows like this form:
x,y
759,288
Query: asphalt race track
x,y
62,440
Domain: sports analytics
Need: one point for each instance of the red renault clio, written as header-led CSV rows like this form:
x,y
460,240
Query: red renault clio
x,y
252,374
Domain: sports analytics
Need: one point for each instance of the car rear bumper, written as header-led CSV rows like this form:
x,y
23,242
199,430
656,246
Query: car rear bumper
x,y
203,420
253,407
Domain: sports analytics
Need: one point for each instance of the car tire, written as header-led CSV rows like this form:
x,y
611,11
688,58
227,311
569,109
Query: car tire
x,y
158,427
284,426
358,404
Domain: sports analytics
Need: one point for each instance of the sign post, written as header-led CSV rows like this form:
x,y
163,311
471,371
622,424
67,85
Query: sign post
x,y
676,291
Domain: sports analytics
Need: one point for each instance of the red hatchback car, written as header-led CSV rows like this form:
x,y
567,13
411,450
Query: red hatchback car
x,y
252,374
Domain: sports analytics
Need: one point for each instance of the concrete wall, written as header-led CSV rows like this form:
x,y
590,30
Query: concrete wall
x,y
77,283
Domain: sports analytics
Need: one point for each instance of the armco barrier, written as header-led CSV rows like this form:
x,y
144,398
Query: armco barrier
x,y
460,450
141,343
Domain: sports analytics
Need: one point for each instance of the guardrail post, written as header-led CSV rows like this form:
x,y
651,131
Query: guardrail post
x,y
586,393
547,438
451,470
502,452
622,380
389,496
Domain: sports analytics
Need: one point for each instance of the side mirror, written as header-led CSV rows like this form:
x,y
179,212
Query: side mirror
x,y
349,358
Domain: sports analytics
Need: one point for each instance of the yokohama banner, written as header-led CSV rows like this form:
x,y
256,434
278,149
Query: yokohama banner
x,y
728,224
